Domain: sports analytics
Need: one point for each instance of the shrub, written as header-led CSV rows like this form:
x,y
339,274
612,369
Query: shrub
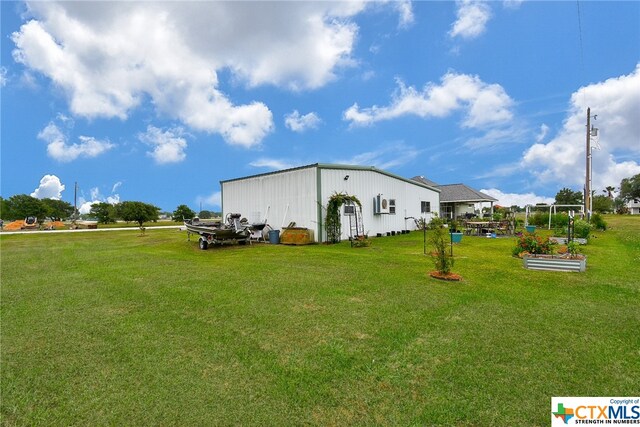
x,y
581,229
533,244
436,223
539,219
560,220
573,249
598,222
361,242
441,258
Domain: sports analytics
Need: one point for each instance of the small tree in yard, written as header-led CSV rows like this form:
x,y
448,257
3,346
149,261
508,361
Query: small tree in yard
x,y
137,212
105,212
182,213
441,258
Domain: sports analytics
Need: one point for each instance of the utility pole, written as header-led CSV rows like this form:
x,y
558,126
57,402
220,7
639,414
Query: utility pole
x,y
587,184
75,201
592,131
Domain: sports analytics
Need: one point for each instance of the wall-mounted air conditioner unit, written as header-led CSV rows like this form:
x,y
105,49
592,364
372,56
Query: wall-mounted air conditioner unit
x,y
380,205
349,210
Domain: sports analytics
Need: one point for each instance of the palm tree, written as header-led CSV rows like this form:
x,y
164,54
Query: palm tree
x,y
609,190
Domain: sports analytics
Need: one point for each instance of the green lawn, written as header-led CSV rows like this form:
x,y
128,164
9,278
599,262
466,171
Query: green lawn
x,y
121,329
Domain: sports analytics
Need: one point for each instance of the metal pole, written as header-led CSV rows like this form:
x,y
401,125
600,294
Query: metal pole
x,y
451,241
587,184
424,235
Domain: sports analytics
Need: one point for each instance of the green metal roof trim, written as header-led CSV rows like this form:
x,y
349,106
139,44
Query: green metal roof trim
x,y
338,167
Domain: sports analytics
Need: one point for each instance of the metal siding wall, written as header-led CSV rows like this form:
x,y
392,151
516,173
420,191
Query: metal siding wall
x,y
252,197
365,185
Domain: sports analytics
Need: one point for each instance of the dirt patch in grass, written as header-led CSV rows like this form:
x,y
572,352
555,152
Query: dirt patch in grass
x,y
54,225
451,277
13,226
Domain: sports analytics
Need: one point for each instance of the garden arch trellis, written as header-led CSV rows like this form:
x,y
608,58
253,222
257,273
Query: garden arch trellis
x,y
551,207
332,221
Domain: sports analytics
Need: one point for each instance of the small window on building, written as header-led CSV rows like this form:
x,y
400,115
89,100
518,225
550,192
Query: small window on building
x,y
349,210
425,207
392,206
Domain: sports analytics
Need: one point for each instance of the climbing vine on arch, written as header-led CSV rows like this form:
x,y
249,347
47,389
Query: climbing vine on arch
x,y
332,222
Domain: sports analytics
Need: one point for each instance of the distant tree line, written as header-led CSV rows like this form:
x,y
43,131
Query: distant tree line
x,y
604,203
22,206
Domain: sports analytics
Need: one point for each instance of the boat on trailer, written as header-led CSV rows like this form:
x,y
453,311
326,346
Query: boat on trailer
x,y
232,230
30,223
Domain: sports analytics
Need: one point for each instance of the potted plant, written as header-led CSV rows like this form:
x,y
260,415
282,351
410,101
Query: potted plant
x,y
455,233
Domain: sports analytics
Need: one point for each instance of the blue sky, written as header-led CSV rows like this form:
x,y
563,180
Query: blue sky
x,y
159,101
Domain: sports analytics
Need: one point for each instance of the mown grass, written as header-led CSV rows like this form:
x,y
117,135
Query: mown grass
x,y
119,329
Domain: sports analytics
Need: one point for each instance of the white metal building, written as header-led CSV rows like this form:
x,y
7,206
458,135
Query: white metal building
x,y
389,202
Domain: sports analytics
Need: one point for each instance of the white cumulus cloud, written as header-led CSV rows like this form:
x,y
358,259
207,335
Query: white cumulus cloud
x,y
301,123
50,188
108,57
544,130
390,155
116,186
3,76
96,197
168,146
519,199
59,149
485,104
275,164
472,17
616,101
405,11
512,4
214,199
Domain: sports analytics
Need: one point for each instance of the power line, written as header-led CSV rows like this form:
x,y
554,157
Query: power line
x,y
582,67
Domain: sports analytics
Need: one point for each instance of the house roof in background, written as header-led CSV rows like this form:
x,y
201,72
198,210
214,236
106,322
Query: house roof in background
x,y
425,181
462,193
456,192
